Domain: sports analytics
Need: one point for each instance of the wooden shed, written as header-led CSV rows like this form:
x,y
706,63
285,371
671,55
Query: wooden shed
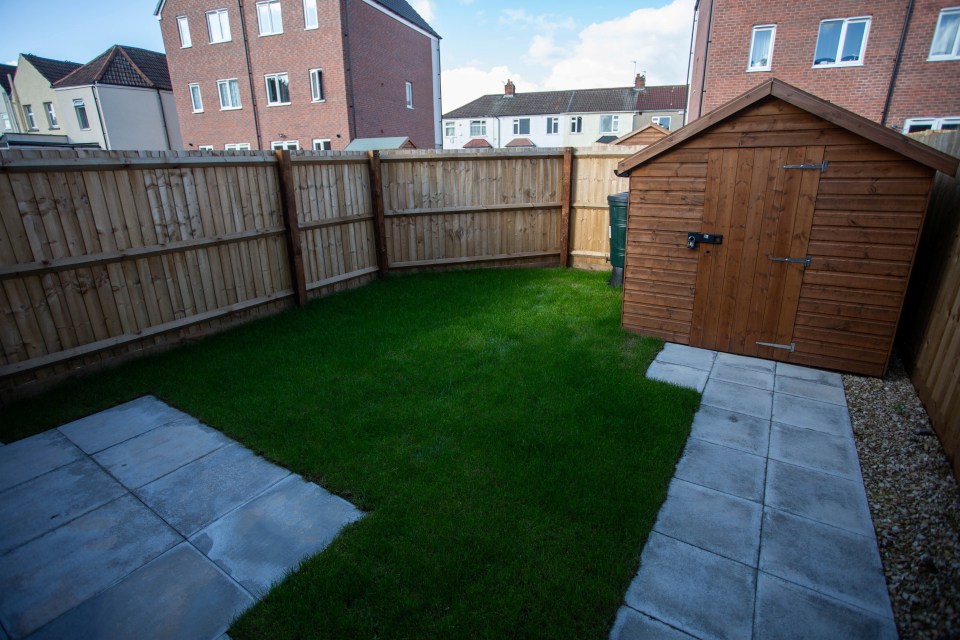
x,y
779,226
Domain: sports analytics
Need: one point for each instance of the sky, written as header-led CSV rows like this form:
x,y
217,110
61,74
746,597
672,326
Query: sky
x,y
539,44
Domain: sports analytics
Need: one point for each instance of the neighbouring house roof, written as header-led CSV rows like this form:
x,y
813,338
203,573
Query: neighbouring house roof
x,y
520,142
654,130
122,66
478,143
399,7
41,140
52,70
379,144
614,100
6,70
606,139
893,140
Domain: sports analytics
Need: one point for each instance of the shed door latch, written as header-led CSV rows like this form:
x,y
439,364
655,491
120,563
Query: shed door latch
x,y
804,261
822,166
694,238
789,347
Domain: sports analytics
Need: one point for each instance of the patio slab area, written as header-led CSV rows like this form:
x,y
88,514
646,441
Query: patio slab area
x,y
766,530
141,522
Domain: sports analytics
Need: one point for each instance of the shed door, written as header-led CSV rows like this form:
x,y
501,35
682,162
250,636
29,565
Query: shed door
x,y
764,210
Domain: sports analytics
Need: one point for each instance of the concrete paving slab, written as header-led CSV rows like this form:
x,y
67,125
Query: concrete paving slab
x,y
52,574
812,414
811,389
694,590
717,522
746,362
806,373
815,450
743,375
828,560
736,430
826,498
196,494
633,625
143,459
107,428
31,457
723,469
265,539
181,594
738,398
680,375
40,505
687,356
786,611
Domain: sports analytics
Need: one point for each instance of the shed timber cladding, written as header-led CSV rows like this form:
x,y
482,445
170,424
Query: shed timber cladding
x,y
737,173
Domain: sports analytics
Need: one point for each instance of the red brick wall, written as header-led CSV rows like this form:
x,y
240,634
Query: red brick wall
x,y
378,79
925,89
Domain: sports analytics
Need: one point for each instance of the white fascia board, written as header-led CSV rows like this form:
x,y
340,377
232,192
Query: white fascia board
x,y
399,19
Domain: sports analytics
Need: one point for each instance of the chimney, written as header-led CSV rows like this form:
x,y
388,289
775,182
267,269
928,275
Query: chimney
x,y
508,88
640,82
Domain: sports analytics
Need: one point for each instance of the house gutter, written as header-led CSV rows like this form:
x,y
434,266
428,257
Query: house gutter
x,y
351,107
706,56
163,119
896,65
246,57
103,126
693,33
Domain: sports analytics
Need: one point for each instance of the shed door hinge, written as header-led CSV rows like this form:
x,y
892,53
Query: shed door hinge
x,y
804,261
822,166
789,347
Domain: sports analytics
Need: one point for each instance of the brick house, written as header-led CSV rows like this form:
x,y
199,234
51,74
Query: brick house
x,y
574,117
301,73
896,62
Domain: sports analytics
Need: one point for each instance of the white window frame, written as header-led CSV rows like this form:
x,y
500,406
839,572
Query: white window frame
x,y
409,88
936,124
316,85
955,50
183,26
772,28
266,16
310,6
319,142
289,145
31,117
843,38
237,146
480,126
576,124
553,125
658,120
449,129
276,77
226,82
205,147
222,18
81,109
614,123
196,100
518,126
51,115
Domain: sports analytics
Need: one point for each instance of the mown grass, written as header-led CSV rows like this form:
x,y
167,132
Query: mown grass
x,y
496,425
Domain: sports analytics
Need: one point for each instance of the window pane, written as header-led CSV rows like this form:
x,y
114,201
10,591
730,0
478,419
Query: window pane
x,y
235,93
263,17
276,20
920,126
184,31
944,39
828,42
853,42
760,55
283,87
310,13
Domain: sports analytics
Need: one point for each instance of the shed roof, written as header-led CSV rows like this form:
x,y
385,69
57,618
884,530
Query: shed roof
x,y
652,127
6,70
830,112
377,144
123,66
52,70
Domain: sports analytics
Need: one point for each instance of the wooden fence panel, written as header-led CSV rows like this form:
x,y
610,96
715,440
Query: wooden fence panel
x,y
593,180
929,335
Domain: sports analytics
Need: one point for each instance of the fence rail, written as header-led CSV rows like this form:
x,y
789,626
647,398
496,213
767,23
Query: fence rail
x,y
105,255
929,336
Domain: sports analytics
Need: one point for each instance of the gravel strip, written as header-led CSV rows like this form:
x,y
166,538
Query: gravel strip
x,y
914,500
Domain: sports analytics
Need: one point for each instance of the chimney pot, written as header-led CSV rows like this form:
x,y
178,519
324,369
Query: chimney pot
x,y
508,88
640,82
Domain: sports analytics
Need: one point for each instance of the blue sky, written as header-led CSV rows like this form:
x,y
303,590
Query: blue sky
x,y
539,44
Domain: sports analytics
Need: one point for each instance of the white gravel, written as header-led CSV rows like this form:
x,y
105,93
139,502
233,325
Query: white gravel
x,y
914,500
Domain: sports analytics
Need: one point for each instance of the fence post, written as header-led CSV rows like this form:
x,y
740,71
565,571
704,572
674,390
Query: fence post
x,y
566,195
380,225
288,205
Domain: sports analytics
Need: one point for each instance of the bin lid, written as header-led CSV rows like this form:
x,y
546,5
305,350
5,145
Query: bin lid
x,y
619,197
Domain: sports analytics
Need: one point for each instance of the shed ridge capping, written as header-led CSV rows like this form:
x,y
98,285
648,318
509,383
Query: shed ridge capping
x,y
888,138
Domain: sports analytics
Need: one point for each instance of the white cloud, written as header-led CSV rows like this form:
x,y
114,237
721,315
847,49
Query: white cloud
x,y
465,84
658,39
424,8
543,50
543,21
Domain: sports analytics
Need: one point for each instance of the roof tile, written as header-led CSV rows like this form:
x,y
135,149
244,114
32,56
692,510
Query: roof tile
x,y
123,66
52,70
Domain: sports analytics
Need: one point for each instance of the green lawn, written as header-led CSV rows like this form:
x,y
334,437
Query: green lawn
x,y
496,425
